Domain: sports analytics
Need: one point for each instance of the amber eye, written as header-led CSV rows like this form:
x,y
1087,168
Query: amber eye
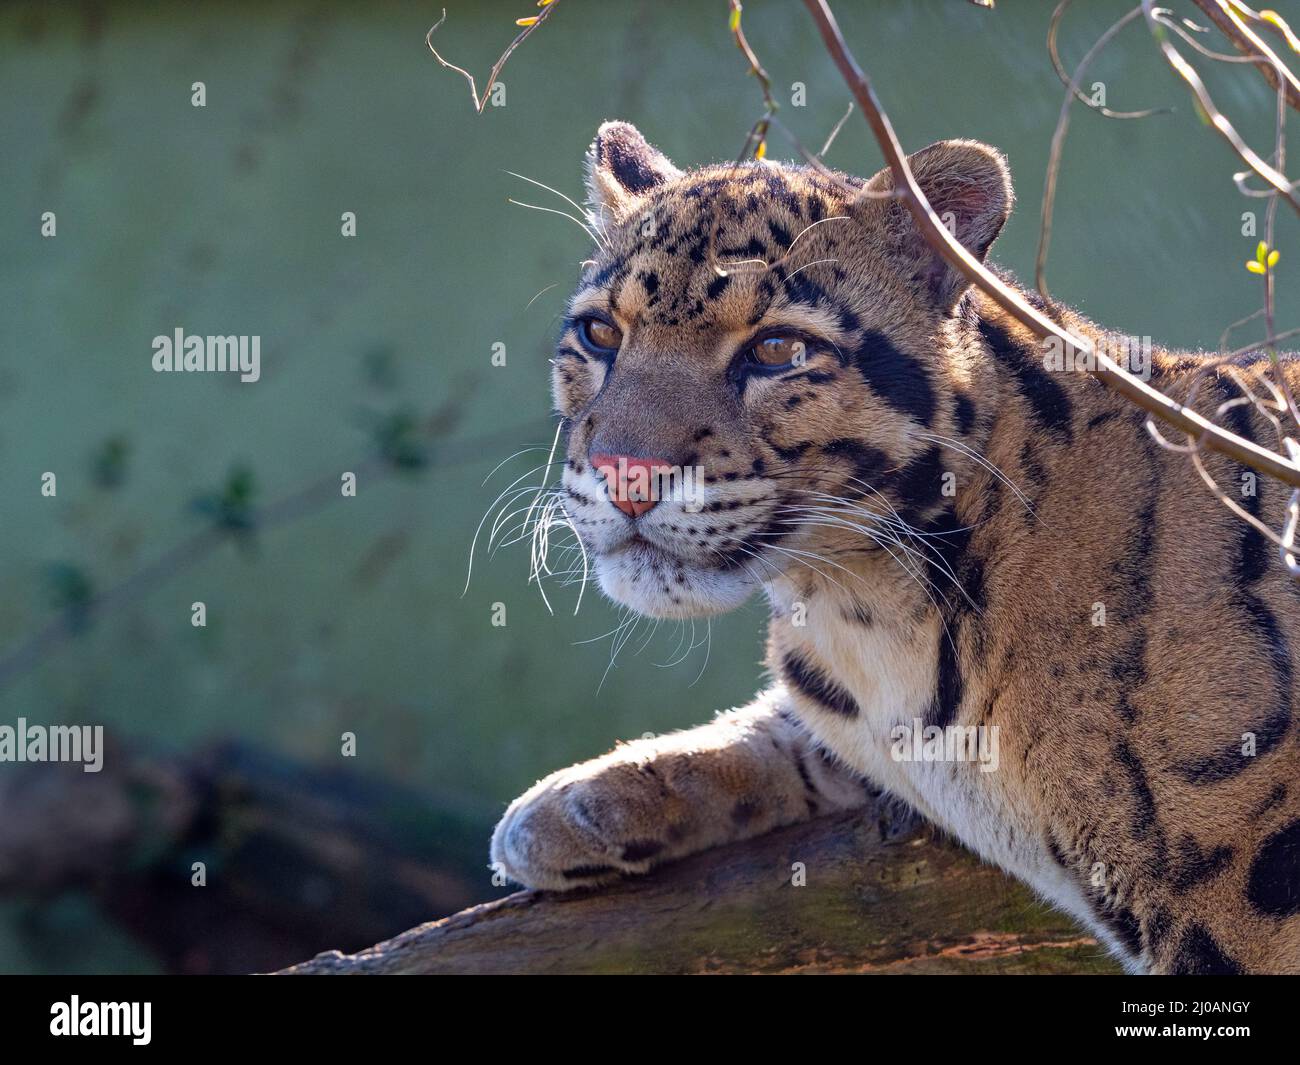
x,y
779,351
598,335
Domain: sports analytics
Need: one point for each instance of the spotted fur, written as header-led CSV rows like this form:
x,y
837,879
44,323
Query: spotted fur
x,y
937,520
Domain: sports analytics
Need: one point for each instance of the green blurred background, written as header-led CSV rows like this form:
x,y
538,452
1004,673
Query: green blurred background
x,y
335,615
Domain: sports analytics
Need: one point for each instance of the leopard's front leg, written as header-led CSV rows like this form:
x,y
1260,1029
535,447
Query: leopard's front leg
x,y
653,800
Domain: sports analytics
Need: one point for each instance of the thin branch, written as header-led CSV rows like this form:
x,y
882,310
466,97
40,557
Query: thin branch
x,y
836,131
1072,83
759,132
1058,141
532,26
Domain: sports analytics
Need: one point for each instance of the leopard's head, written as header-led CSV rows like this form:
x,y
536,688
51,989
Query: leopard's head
x,y
758,359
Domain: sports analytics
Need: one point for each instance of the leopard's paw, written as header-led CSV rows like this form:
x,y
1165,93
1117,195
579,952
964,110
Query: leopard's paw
x,y
590,824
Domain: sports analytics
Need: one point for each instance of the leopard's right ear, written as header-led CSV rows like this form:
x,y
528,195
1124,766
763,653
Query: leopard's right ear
x,y
622,169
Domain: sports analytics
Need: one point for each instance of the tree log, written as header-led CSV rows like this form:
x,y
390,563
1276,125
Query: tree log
x,y
876,899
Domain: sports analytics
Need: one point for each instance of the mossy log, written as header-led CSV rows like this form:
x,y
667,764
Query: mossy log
x,y
844,894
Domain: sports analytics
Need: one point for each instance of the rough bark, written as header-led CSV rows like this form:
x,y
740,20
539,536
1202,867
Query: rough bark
x,y
876,900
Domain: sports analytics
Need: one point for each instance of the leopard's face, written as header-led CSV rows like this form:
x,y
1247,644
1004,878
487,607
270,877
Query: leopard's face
x,y
755,366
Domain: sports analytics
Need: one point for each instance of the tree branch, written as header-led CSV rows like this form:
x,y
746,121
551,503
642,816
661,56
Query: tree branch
x,y
879,898
1227,15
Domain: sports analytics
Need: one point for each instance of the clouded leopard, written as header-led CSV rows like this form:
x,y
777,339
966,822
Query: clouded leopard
x,y
936,519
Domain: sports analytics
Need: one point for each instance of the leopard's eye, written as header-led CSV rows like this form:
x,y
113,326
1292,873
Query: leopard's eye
x,y
599,335
779,351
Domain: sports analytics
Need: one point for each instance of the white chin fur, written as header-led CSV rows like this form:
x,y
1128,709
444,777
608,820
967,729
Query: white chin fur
x,y
636,577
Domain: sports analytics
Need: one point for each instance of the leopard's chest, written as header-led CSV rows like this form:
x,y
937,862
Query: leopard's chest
x,y
864,692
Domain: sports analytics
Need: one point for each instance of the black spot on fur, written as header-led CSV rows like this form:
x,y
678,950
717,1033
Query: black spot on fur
x,y
804,775
814,684
1195,866
1156,927
1049,403
859,615
1274,885
1273,728
919,484
1058,855
949,686
744,812
867,462
1198,954
1132,583
640,850
718,286
964,412
813,377
1274,799
1145,823
960,573
1231,761
897,378
1253,561
1125,925
788,452
779,234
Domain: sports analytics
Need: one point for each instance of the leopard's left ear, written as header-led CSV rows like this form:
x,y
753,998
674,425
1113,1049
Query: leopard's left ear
x,y
622,169
969,186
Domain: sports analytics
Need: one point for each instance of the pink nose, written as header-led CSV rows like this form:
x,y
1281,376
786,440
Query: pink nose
x,y
633,484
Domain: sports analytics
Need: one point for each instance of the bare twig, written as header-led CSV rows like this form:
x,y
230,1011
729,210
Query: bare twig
x,y
836,131
480,103
1072,84
758,135
1058,139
